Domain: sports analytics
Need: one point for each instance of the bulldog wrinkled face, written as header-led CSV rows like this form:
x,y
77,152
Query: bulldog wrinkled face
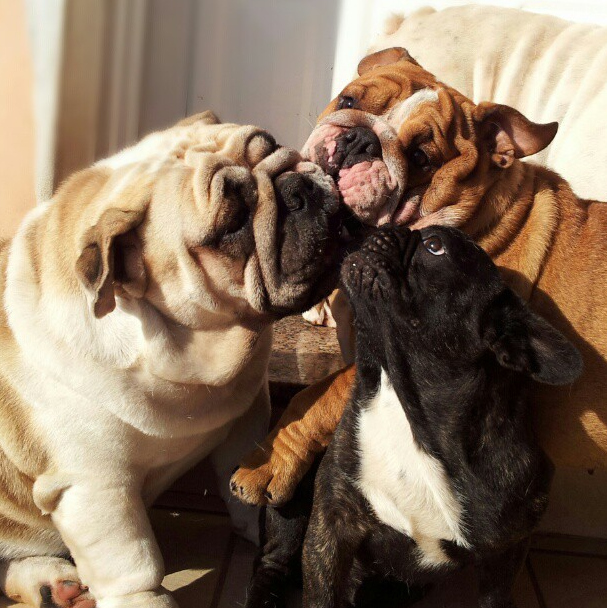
x,y
225,224
403,146
433,297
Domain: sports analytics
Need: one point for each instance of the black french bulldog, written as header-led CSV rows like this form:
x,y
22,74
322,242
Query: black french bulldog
x,y
433,465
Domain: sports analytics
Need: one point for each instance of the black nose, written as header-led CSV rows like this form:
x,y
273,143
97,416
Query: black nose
x,y
358,145
381,263
298,192
392,241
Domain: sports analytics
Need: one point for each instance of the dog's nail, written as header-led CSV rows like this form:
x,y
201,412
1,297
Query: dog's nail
x,y
46,594
268,495
233,486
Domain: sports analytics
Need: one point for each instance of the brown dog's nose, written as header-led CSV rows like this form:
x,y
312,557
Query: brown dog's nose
x,y
358,145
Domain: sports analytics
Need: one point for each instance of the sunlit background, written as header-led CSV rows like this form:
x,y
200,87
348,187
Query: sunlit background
x,y
83,78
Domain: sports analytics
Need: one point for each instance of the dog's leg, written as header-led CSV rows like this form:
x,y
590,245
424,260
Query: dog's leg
x,y
108,533
246,433
497,574
270,474
279,559
328,560
44,582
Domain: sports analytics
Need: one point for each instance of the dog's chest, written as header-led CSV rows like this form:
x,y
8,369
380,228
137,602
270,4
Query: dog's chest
x,y
407,488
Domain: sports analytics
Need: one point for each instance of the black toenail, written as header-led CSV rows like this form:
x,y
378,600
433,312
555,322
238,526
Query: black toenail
x,y
47,597
268,495
233,486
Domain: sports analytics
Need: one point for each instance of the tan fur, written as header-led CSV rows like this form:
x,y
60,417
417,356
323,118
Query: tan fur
x,y
548,243
131,346
271,472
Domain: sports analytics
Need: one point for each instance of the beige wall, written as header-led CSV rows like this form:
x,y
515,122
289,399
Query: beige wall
x,y
16,118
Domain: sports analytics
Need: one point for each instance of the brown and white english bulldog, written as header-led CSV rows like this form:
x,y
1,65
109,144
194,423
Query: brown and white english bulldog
x,y
135,332
406,148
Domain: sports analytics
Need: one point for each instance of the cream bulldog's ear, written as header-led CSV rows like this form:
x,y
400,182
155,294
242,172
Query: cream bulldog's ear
x,y
385,57
206,118
509,135
111,259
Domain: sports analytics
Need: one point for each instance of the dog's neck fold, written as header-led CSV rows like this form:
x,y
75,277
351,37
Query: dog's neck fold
x,y
522,203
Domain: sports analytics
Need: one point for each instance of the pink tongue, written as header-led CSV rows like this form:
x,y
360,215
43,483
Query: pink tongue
x,y
366,189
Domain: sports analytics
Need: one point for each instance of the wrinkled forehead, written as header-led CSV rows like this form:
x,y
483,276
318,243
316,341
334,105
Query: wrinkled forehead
x,y
184,143
405,108
381,88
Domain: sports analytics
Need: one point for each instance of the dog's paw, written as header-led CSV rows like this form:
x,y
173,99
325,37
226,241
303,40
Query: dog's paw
x,y
45,582
271,483
65,594
320,315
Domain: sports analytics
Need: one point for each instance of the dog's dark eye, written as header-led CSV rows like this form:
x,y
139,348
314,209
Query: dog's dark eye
x,y
237,221
434,245
346,102
420,158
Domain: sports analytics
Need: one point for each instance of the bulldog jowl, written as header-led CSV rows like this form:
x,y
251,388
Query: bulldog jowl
x,y
363,155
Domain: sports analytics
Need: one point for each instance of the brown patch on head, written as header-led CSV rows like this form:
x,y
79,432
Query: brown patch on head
x,y
385,78
453,148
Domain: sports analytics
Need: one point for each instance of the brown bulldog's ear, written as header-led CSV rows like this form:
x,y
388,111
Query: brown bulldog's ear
x,y
509,135
111,258
385,57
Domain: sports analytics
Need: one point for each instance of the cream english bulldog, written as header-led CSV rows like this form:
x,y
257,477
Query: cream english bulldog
x,y
135,333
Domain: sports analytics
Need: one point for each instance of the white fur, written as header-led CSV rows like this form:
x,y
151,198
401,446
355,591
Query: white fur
x,y
407,488
123,405
401,111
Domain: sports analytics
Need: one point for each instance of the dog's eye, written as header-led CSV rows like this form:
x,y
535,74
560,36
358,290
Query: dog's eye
x,y
434,245
346,102
237,221
420,158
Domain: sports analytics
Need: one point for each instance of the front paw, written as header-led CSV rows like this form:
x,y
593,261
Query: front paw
x,y
320,314
64,594
272,482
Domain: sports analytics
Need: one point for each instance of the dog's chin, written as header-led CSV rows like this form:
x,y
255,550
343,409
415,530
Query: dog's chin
x,y
407,213
313,282
304,281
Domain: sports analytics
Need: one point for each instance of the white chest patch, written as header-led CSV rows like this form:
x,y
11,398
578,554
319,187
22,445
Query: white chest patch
x,y
407,488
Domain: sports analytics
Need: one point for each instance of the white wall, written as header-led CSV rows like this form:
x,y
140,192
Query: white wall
x,y
266,62
275,63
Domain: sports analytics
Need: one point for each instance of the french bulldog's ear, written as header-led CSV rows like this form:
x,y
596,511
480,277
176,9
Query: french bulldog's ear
x,y
111,259
385,57
509,135
523,341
